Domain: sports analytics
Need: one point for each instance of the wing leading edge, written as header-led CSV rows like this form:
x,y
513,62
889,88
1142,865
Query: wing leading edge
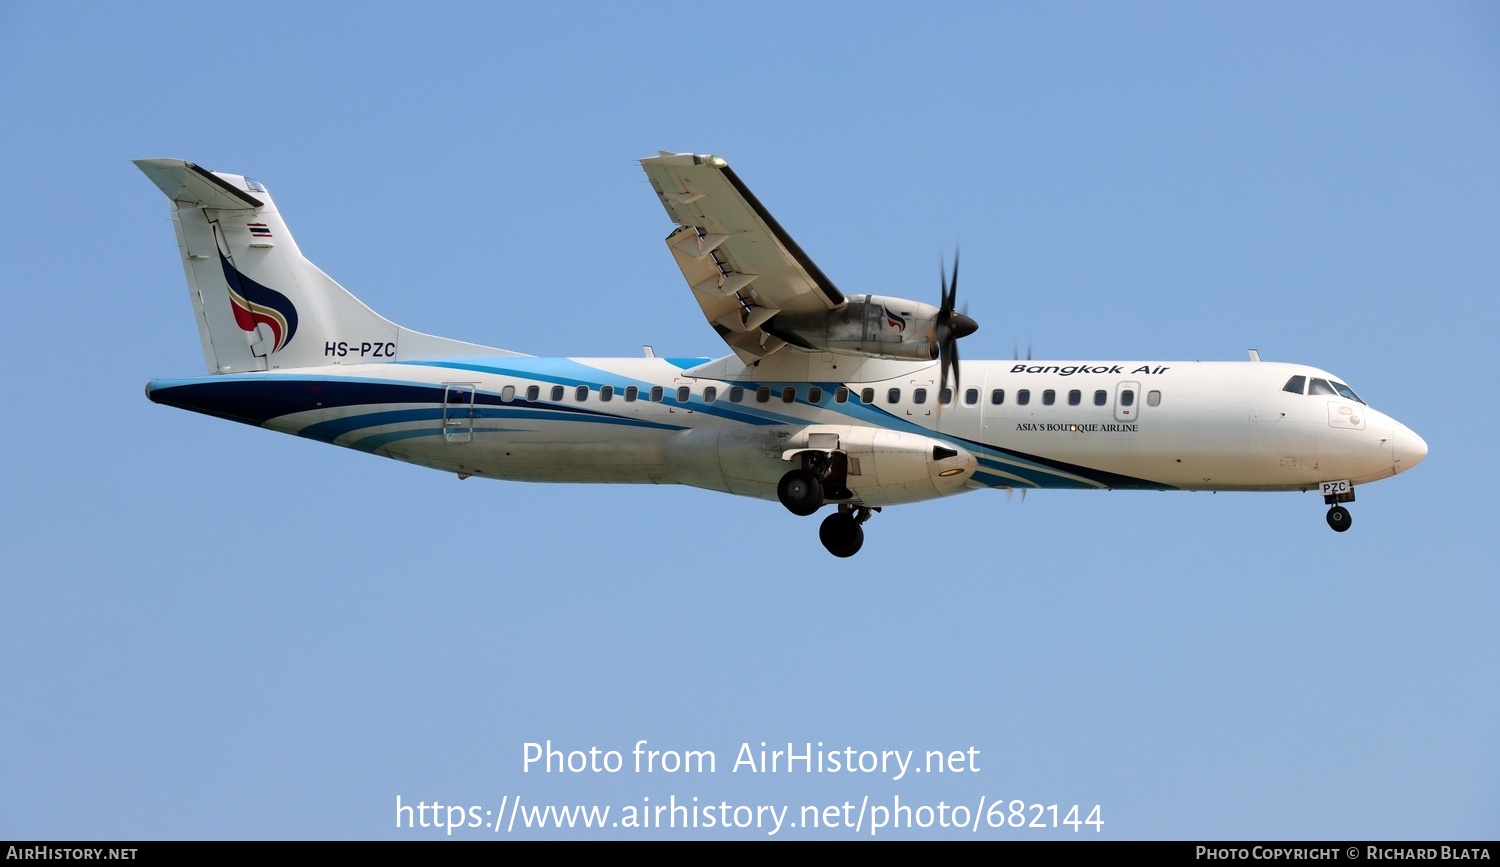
x,y
742,266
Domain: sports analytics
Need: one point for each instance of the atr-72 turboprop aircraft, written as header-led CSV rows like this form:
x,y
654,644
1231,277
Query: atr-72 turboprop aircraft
x,y
856,401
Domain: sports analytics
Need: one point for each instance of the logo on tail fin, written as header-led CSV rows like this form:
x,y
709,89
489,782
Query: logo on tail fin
x,y
255,305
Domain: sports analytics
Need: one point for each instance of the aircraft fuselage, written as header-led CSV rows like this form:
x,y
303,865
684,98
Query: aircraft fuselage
x,y
1214,426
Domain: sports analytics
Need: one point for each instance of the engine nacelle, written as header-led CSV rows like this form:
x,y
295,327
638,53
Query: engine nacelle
x,y
868,325
884,467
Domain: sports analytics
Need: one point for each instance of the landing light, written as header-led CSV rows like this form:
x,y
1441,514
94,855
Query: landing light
x,y
953,472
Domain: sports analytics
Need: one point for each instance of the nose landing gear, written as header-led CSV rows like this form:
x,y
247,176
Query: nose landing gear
x,y
1334,495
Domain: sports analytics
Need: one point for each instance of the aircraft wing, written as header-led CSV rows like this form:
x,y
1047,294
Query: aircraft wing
x,y
742,266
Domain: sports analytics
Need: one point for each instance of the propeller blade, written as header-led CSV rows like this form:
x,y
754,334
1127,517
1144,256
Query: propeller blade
x,y
953,286
949,327
951,359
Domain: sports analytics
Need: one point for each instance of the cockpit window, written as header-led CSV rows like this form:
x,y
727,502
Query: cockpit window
x,y
1346,392
1300,384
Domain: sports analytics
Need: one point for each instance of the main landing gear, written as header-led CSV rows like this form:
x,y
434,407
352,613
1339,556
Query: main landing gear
x,y
820,475
801,492
824,475
840,532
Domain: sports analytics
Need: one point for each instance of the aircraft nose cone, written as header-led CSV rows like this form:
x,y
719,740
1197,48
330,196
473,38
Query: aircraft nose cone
x,y
1408,449
962,326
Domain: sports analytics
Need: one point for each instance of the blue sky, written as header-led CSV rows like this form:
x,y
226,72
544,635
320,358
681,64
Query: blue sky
x,y
212,631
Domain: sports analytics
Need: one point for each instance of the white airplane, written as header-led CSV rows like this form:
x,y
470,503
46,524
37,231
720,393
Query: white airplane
x,y
824,399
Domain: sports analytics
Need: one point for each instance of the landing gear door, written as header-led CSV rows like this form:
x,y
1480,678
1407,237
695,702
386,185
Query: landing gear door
x,y
458,412
1127,401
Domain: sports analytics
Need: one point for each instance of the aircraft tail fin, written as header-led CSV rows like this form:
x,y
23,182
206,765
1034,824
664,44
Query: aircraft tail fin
x,y
261,305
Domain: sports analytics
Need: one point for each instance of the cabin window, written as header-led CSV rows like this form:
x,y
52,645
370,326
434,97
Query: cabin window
x,y
1023,396
1295,385
1320,386
533,392
867,396
815,395
763,394
1101,397
945,397
788,394
1075,397
581,393
997,396
971,396
893,396
1127,397
683,393
919,395
841,395
1049,397
709,394
1153,398
736,394
606,392
508,394
656,393
631,393
557,393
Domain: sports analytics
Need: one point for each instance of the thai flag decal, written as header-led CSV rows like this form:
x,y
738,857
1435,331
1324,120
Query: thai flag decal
x,y
893,320
255,305
259,230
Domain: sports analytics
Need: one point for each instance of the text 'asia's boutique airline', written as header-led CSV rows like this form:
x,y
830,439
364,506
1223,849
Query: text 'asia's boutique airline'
x,y
853,401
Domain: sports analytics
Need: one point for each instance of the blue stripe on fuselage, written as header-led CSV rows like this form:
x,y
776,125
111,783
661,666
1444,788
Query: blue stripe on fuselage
x,y
259,398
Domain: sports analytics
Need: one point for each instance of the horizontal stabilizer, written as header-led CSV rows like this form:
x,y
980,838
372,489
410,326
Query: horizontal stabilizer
x,y
190,184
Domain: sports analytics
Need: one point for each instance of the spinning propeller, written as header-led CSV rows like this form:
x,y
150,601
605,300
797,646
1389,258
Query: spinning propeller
x,y
949,327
